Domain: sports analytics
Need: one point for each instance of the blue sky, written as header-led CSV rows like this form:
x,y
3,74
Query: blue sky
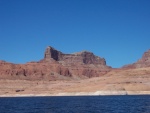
x,y
118,30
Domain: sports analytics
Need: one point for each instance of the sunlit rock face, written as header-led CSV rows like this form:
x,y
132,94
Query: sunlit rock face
x,y
143,62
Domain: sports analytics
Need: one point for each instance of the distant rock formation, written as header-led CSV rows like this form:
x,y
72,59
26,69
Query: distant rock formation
x,y
56,63
83,57
143,62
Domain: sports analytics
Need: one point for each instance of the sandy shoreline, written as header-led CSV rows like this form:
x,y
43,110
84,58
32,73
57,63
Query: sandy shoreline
x,y
97,93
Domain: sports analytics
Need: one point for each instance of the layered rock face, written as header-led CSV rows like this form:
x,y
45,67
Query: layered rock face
x,y
83,57
33,70
56,63
79,64
143,62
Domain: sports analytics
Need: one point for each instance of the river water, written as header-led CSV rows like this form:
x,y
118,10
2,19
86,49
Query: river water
x,y
76,104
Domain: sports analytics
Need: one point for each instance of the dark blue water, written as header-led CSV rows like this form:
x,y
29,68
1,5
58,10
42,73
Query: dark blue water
x,y
80,104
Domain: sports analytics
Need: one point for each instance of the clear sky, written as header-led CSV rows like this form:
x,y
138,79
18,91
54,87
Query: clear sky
x,y
118,30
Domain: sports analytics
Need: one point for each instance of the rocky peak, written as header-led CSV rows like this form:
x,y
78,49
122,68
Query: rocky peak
x,y
145,57
84,57
50,52
143,62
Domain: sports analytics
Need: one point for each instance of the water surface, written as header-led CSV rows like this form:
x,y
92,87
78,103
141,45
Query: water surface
x,y
78,104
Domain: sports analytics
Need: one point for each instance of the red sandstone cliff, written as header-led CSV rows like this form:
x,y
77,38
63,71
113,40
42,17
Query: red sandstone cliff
x,y
83,57
56,64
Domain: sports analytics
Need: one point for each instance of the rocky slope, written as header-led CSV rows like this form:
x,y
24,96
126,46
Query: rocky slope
x,y
141,63
115,82
56,63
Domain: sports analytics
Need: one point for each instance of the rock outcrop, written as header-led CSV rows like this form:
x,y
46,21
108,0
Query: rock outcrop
x,y
143,62
83,57
56,64
32,70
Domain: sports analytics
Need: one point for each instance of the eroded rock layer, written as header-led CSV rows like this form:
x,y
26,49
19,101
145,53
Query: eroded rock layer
x,y
83,57
56,65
